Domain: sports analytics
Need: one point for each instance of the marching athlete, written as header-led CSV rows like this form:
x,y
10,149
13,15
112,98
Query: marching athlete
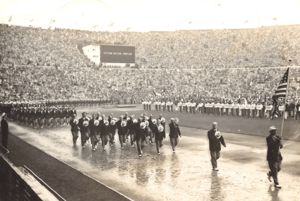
x,y
140,137
131,131
95,135
174,133
274,156
215,140
92,129
122,131
84,129
159,133
112,131
74,129
105,133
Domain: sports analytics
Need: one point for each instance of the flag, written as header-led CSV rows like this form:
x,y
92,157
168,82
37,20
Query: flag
x,y
282,88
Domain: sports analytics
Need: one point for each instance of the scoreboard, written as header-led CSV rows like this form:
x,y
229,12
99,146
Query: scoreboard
x,y
117,54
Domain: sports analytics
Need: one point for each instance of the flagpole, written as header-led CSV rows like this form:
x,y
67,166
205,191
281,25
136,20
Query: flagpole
x,y
286,96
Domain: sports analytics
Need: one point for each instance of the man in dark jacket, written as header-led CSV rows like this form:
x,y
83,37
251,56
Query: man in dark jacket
x,y
83,124
74,128
174,133
215,140
4,130
274,157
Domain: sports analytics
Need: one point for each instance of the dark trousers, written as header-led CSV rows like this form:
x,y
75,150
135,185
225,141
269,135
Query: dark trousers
x,y
111,138
95,139
214,156
275,167
84,137
4,140
122,139
104,140
297,114
74,136
174,142
132,138
158,144
140,145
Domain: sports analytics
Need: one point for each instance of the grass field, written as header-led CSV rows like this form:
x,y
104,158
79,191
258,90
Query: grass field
x,y
230,124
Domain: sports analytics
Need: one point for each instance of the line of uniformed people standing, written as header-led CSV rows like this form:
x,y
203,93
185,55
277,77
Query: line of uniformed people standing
x,y
252,110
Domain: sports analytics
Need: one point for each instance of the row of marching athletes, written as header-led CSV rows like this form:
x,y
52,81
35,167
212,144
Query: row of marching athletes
x,y
137,131
42,116
252,110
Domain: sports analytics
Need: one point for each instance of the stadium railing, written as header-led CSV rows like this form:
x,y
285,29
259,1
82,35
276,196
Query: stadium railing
x,y
59,197
19,183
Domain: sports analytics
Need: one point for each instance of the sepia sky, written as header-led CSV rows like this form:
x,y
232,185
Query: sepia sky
x,y
149,15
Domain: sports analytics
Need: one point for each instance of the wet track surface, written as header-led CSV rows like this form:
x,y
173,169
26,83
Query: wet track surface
x,y
184,175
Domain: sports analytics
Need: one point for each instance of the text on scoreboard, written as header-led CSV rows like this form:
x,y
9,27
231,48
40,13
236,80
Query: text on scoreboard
x,y
117,54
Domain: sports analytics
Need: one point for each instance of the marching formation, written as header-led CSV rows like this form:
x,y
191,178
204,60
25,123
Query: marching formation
x,y
137,131
42,116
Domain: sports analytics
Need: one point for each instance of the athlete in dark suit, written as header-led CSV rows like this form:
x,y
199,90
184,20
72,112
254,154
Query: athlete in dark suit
x,y
274,156
174,133
215,141
141,133
84,129
74,129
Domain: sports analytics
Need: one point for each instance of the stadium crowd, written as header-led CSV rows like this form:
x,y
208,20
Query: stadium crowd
x,y
131,85
261,47
39,64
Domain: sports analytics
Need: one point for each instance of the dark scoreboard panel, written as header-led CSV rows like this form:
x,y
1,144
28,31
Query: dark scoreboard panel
x,y
117,54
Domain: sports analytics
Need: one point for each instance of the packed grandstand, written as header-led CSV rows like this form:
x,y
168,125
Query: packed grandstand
x,y
200,66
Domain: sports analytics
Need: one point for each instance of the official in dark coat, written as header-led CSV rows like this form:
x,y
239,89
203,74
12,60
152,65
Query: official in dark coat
x,y
4,130
274,156
174,133
215,140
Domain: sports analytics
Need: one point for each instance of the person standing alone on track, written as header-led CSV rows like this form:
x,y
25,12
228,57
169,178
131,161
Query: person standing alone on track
x,y
4,130
274,156
215,140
